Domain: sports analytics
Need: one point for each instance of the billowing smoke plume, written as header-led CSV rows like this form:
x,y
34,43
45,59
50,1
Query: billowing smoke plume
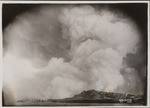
x,y
59,51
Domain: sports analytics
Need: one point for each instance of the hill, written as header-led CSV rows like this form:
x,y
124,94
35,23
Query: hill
x,y
94,96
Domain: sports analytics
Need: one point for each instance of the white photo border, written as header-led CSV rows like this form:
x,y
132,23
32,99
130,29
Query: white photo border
x,y
74,2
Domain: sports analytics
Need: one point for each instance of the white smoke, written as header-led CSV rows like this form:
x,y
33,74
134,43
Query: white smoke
x,y
59,51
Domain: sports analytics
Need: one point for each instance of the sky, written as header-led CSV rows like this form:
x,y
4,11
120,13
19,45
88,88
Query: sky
x,y
57,51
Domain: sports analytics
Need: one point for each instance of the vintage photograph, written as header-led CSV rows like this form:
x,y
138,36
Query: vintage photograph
x,y
78,54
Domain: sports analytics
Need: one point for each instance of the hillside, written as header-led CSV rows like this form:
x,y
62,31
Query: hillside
x,y
94,96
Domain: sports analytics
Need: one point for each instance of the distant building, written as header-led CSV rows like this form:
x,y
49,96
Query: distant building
x,y
125,100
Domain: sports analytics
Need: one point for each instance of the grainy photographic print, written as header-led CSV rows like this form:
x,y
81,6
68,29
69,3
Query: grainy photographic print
x,y
75,54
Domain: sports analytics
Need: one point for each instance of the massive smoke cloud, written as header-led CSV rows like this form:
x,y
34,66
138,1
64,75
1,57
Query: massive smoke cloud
x,y
59,51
